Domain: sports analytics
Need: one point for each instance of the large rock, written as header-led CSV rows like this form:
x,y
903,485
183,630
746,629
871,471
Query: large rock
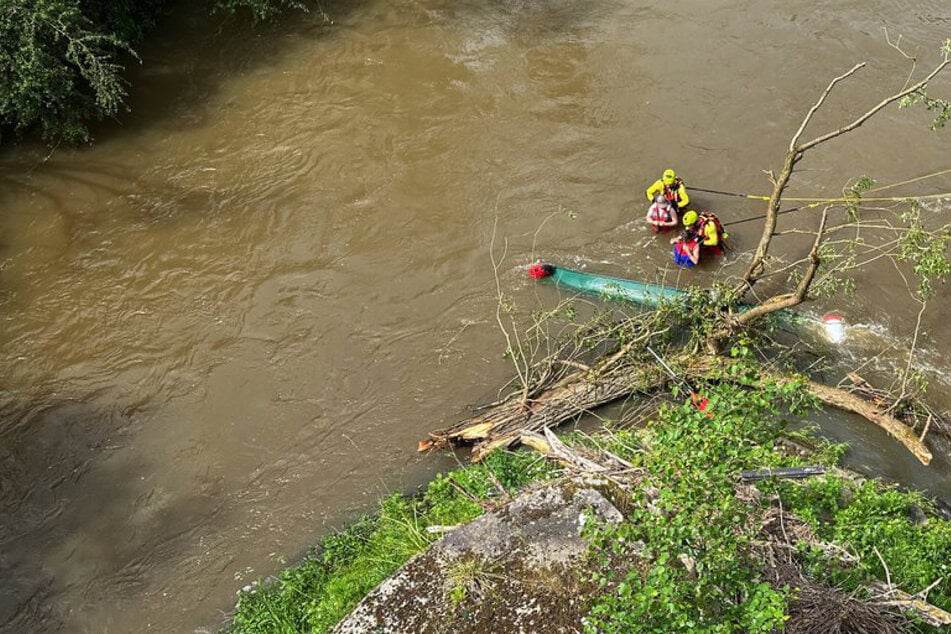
x,y
520,569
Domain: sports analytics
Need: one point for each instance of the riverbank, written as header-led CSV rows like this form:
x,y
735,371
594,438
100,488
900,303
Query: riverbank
x,y
697,549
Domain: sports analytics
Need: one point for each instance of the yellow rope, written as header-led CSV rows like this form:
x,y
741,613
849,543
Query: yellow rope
x,y
911,180
875,189
854,199
818,201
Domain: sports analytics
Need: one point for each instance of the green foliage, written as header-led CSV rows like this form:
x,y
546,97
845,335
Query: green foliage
x,y
853,195
701,311
693,460
861,185
260,9
833,258
62,61
941,107
926,250
870,517
314,595
57,68
128,20
694,517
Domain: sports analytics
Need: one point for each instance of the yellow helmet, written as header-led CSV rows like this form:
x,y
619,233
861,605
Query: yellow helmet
x,y
669,176
689,218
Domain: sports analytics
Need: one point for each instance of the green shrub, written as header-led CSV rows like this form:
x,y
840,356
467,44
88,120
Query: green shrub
x,y
62,61
871,517
693,460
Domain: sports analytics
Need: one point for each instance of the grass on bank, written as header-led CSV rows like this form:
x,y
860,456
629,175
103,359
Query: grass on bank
x,y
911,542
314,595
687,510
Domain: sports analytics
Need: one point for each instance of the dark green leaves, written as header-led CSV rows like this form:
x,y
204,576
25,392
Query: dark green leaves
x,y
62,61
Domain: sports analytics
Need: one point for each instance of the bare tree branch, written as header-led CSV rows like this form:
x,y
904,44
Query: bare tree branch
x,y
818,104
795,152
869,114
789,300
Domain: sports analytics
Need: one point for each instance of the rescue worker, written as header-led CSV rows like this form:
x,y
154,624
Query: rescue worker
x,y
709,228
672,188
662,215
687,245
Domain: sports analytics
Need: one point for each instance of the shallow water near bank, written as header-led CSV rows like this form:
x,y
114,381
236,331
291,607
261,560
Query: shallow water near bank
x,y
228,322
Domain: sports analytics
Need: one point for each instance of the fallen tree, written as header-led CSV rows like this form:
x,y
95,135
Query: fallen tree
x,y
564,383
583,391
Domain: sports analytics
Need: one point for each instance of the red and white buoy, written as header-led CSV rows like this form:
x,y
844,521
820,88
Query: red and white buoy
x,y
833,325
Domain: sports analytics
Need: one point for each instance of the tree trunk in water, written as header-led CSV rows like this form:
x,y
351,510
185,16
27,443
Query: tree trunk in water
x,y
845,400
577,394
582,391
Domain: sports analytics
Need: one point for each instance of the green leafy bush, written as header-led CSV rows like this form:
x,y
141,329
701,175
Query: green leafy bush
x,y
697,573
62,61
58,68
870,517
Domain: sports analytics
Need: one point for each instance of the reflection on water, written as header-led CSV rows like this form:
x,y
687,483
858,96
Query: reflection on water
x,y
226,325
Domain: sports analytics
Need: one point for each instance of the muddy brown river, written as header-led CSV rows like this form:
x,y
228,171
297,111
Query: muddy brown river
x,y
227,323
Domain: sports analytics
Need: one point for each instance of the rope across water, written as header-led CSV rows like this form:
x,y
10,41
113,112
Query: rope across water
x,y
816,202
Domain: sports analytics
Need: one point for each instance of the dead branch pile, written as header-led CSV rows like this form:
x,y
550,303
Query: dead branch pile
x,y
817,608
821,609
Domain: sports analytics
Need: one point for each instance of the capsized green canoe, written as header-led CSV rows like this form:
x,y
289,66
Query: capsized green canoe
x,y
607,287
615,288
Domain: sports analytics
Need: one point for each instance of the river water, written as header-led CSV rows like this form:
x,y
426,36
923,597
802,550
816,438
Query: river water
x,y
227,323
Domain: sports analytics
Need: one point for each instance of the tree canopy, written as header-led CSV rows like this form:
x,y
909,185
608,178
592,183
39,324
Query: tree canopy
x,y
62,61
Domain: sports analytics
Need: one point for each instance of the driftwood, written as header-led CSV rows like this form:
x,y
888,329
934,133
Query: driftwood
x,y
912,411
601,463
582,391
577,393
753,475
893,597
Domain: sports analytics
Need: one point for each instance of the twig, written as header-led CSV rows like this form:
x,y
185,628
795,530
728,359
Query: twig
x,y
924,432
897,46
870,113
498,485
923,595
888,575
496,265
465,492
